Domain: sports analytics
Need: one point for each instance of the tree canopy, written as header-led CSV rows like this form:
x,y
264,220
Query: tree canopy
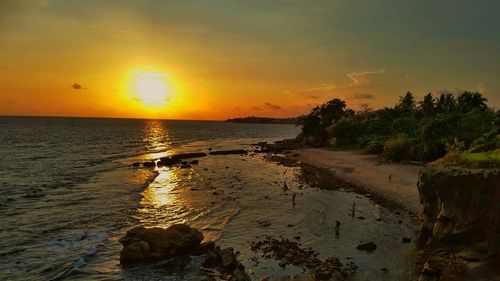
x,y
410,130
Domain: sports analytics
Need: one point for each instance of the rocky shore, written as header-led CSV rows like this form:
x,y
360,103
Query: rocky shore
x,y
143,245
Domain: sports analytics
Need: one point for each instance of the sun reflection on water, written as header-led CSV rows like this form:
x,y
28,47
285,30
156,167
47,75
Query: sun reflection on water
x,y
156,138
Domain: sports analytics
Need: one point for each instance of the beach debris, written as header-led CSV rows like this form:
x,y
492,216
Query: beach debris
x,y
406,240
142,244
291,253
369,247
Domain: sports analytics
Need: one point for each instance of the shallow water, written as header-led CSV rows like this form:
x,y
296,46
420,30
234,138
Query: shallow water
x,y
69,194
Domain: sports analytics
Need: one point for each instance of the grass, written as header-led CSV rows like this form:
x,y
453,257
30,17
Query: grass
x,y
490,159
481,159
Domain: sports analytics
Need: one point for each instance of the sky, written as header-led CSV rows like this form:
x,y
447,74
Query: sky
x,y
214,60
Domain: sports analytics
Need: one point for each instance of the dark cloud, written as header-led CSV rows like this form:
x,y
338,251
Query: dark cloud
x,y
272,106
77,86
362,96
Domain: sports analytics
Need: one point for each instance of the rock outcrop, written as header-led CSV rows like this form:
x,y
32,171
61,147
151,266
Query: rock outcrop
x,y
142,244
461,221
461,206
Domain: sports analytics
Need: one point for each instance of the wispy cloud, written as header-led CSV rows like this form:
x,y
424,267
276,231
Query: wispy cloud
x,y
272,106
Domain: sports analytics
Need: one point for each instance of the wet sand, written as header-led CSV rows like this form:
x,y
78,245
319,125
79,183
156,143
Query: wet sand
x,y
367,171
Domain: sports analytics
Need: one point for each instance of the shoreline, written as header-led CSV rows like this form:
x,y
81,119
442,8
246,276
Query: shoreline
x,y
393,182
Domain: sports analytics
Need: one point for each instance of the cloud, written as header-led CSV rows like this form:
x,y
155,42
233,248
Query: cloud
x,y
362,78
362,96
256,108
313,97
77,86
272,106
380,86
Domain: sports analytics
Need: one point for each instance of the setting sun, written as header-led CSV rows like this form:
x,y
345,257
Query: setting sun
x,y
152,89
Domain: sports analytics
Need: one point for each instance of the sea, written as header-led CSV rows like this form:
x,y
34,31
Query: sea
x,y
69,191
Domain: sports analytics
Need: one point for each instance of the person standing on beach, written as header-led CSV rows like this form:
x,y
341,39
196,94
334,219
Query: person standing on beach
x,y
353,209
293,198
285,187
337,227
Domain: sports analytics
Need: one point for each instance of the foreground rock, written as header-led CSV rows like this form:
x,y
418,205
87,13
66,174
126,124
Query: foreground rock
x,y
462,216
460,205
148,244
176,244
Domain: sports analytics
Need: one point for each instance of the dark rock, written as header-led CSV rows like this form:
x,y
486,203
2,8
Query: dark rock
x,y
136,164
185,166
361,217
369,247
226,262
385,270
239,274
141,244
177,158
406,240
195,162
149,164
227,152
228,258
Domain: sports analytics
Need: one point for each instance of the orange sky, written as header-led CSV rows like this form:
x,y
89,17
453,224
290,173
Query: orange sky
x,y
235,58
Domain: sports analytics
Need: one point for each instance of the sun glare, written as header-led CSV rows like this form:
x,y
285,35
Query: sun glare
x,y
153,89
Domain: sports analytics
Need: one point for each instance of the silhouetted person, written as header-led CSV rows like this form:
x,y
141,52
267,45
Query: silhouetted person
x,y
285,187
337,227
293,198
353,208
390,176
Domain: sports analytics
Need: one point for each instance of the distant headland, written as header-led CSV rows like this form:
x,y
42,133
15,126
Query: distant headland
x,y
264,120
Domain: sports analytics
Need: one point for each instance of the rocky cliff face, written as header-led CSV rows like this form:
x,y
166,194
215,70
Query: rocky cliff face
x,y
461,206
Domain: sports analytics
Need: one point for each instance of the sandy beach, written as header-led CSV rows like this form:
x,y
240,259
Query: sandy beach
x,y
393,181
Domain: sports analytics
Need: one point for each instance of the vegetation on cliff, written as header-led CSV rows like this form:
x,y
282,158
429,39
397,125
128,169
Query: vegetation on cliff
x,y
422,130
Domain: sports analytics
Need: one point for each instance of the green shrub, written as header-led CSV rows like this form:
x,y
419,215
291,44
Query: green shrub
x,y
374,147
397,149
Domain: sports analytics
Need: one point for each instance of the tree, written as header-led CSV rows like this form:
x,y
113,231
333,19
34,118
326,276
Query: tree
x,y
445,103
427,106
406,104
467,101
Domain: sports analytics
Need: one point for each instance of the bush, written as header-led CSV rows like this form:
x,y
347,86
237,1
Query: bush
x,y
397,149
374,147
